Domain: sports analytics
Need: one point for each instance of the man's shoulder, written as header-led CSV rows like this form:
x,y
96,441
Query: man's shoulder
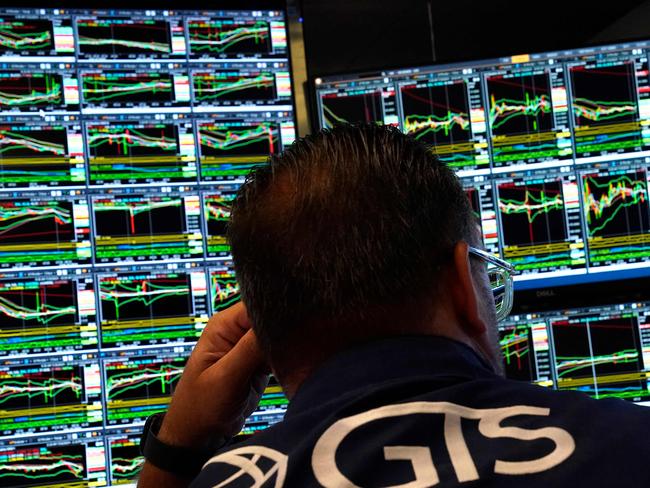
x,y
574,400
615,417
560,433
522,390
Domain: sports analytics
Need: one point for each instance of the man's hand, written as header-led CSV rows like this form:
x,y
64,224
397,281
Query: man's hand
x,y
220,386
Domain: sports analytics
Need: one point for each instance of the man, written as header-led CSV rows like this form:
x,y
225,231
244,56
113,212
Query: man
x,y
365,294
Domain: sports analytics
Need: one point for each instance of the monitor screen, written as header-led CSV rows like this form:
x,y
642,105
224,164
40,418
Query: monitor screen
x,y
603,351
123,137
552,148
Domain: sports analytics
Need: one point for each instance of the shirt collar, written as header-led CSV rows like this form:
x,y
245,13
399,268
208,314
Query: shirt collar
x,y
386,360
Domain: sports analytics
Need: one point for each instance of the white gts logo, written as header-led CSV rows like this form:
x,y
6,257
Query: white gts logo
x,y
328,474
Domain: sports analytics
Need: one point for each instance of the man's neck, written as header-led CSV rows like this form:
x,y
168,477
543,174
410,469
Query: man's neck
x,y
291,372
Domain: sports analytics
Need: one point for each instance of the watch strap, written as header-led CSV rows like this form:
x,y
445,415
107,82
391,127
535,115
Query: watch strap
x,y
181,461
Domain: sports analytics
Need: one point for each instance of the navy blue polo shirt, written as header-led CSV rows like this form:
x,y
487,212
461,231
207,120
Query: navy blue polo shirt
x,y
428,411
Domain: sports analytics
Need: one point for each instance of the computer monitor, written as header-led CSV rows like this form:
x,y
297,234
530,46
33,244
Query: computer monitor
x,y
602,351
553,150
124,134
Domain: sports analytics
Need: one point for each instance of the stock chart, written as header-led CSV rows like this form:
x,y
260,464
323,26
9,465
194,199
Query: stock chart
x,y
365,106
124,136
230,149
601,351
35,153
219,37
146,150
552,150
441,115
617,216
540,223
517,349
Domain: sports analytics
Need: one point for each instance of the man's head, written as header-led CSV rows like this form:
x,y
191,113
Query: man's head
x,y
356,233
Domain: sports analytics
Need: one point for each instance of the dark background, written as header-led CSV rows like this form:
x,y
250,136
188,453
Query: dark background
x,y
362,35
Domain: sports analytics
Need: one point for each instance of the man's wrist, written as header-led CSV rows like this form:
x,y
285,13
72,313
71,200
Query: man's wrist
x,y
185,434
173,453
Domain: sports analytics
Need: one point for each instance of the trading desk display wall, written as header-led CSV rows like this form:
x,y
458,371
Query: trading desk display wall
x,y
123,137
554,151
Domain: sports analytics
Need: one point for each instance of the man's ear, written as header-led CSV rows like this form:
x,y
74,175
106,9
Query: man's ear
x,y
465,298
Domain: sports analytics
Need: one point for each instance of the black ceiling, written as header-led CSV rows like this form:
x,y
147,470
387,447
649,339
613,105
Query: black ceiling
x,y
359,35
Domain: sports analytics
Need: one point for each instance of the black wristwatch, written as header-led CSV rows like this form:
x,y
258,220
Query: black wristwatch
x,y
181,461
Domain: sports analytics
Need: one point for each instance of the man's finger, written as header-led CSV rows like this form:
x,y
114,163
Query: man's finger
x,y
241,363
226,327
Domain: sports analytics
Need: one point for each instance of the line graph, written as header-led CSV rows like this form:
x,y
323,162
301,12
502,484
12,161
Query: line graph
x,y
517,351
235,149
222,36
139,151
422,124
568,365
217,213
45,388
596,350
32,154
224,290
603,95
139,216
25,35
626,391
213,86
147,307
142,385
605,109
29,142
30,90
110,87
504,110
126,460
598,111
44,314
22,221
118,36
532,214
43,230
118,45
616,204
26,466
49,395
143,382
522,121
126,467
131,141
437,114
520,105
35,304
135,297
258,139
341,109
144,226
